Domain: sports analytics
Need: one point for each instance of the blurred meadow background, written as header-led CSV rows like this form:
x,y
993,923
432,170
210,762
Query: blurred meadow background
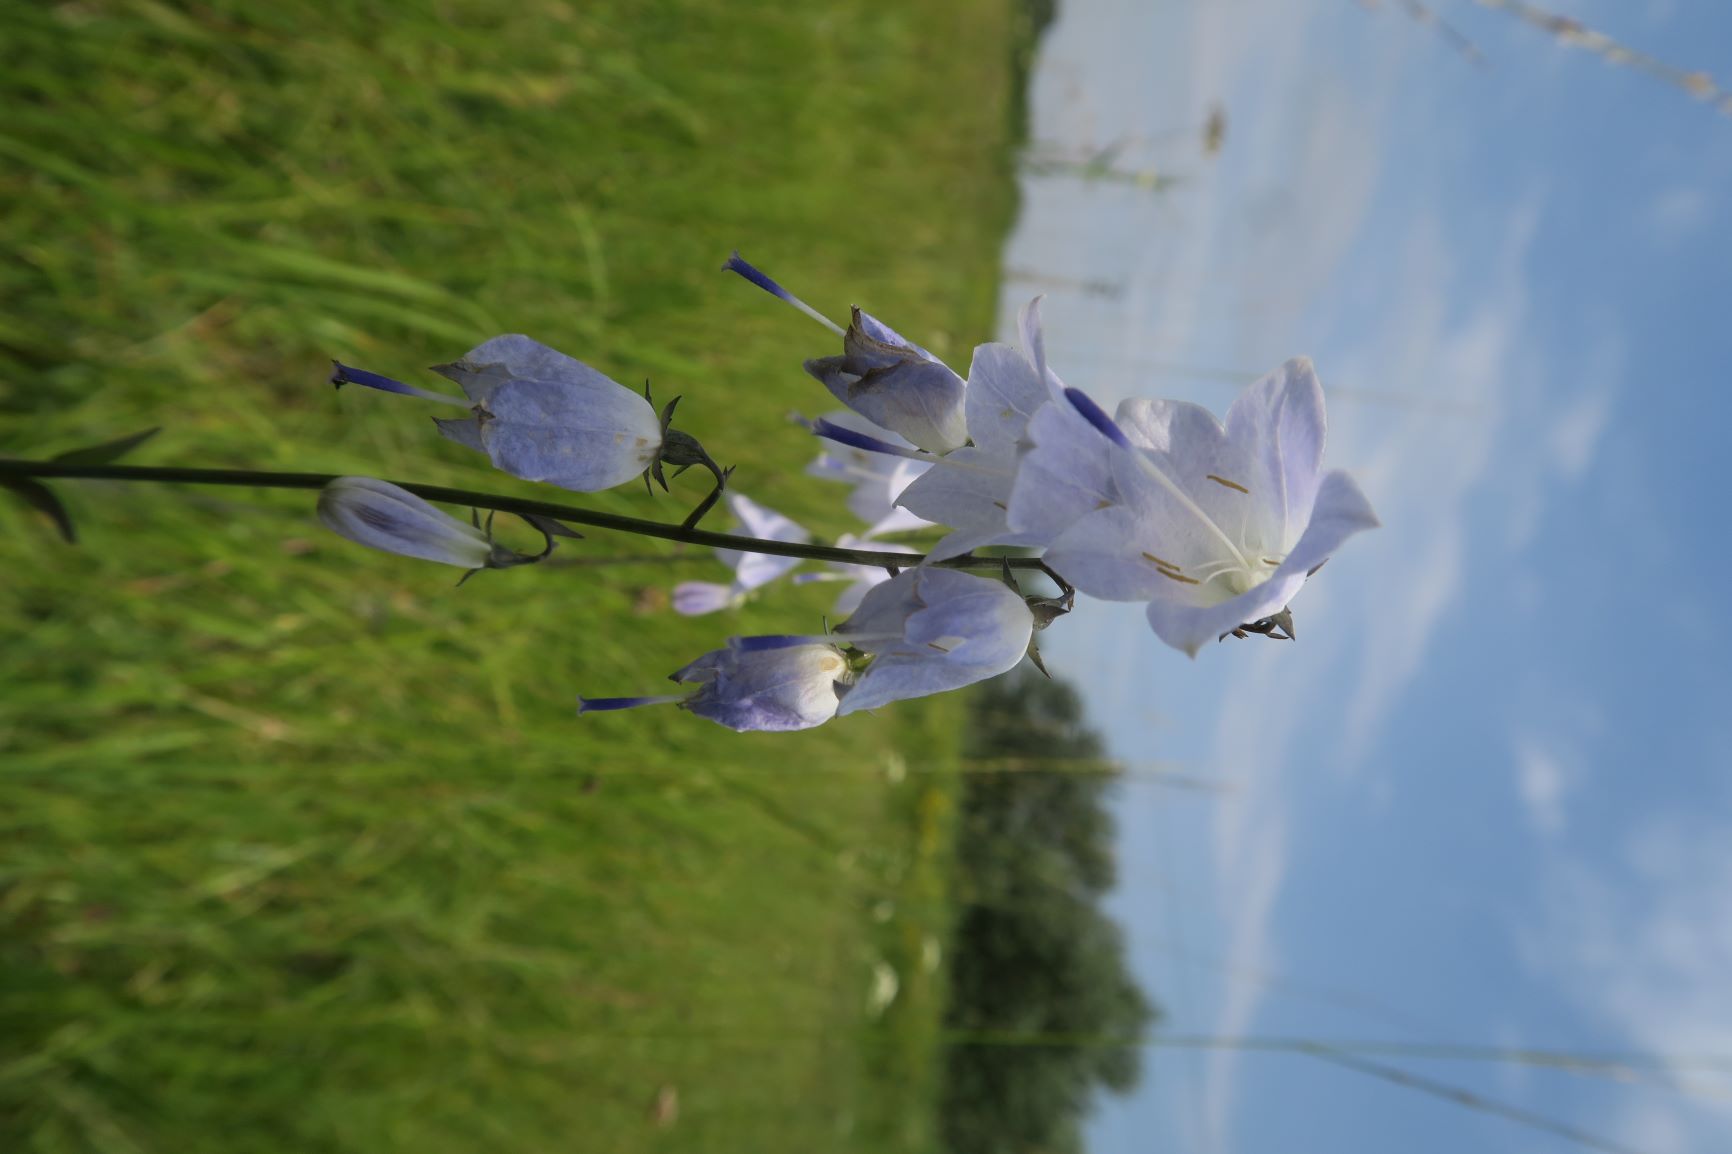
x,y
304,847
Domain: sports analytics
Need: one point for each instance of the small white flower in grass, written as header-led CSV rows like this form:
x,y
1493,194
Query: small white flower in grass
x,y
543,416
882,375
389,518
932,630
751,570
1216,527
771,684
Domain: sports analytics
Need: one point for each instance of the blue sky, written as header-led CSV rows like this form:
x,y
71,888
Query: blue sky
x,y
1487,796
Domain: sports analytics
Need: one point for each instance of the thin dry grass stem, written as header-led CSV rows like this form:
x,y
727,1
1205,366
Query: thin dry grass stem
x,y
1426,15
1567,30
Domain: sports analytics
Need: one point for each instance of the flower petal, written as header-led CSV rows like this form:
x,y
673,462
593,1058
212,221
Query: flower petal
x,y
1103,555
1034,345
969,490
1339,512
1004,390
1279,425
1187,626
1064,474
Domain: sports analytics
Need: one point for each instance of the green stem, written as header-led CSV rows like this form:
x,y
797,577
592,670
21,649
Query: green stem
x,y
259,479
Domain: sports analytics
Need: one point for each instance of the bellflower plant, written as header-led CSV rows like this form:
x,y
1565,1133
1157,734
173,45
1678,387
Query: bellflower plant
x,y
751,570
1215,526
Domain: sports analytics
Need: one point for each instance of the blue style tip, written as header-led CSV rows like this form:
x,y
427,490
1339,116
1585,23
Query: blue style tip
x,y
342,374
771,641
1097,416
738,264
858,440
605,704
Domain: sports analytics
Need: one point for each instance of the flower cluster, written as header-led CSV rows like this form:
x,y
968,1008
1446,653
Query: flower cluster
x,y
1214,525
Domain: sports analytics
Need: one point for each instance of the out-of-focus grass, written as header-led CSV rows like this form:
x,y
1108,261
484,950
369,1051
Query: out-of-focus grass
x,y
303,848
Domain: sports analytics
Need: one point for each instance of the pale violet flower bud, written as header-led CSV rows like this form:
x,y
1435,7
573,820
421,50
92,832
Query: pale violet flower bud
x,y
751,570
541,415
773,684
1215,526
883,376
931,630
383,516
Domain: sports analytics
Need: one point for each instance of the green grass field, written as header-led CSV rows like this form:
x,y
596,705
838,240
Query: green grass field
x,y
301,847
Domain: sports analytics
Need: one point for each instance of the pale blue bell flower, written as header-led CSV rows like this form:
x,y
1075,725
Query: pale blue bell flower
x,y
1216,526
541,415
932,630
757,684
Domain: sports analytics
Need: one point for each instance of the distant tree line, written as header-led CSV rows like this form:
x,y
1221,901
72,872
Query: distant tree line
x,y
1033,951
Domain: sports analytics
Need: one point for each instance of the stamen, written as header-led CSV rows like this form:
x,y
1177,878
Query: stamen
x,y
1178,577
1002,505
1227,483
1274,564
1161,563
737,264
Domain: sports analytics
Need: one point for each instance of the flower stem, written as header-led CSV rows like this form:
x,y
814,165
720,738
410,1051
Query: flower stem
x,y
261,479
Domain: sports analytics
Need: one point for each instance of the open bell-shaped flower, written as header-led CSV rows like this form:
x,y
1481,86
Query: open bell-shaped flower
x,y
773,684
1216,526
882,375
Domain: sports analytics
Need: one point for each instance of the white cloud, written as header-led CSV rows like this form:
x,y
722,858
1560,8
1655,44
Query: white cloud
x,y
1543,783
1644,946
1420,469
1678,213
1575,433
